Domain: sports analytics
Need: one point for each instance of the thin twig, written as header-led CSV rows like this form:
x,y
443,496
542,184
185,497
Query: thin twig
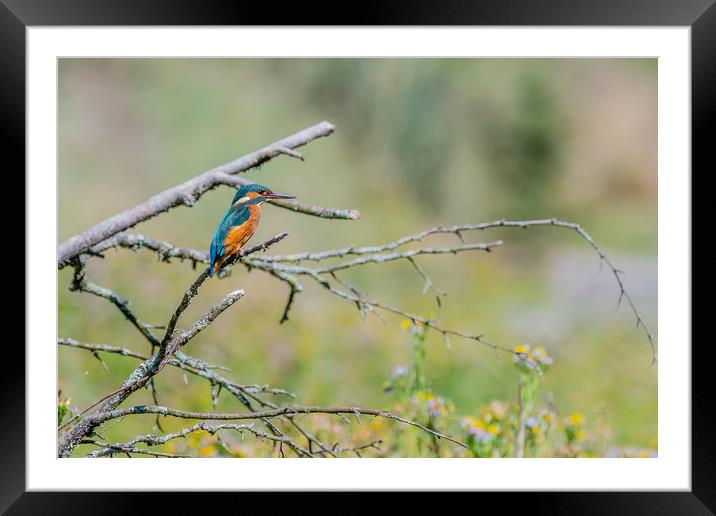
x,y
408,255
192,291
181,361
271,264
357,449
222,416
293,205
80,283
212,428
141,375
277,261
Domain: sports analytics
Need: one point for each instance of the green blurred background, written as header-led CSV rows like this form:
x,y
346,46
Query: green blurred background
x,y
418,142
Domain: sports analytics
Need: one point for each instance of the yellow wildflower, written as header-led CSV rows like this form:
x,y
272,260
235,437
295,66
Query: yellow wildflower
x,y
575,419
522,348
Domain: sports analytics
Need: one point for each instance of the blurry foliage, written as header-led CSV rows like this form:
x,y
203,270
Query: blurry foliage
x,y
419,142
524,148
424,137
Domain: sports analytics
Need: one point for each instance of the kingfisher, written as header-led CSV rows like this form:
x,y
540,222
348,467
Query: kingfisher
x,y
239,223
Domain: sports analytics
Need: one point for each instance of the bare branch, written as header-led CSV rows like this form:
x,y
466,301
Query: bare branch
x,y
283,411
271,264
186,193
458,229
165,250
169,345
265,262
428,283
308,209
140,451
361,300
201,369
212,428
141,376
184,362
310,437
353,250
101,347
623,294
357,449
408,255
194,288
180,340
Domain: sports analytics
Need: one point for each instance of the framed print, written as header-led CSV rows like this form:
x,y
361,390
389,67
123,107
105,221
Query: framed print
x,y
450,248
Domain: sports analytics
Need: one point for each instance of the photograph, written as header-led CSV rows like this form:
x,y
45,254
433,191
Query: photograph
x,y
357,257
448,244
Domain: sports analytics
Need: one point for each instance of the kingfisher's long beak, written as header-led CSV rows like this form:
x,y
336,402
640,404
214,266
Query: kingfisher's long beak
x,y
275,195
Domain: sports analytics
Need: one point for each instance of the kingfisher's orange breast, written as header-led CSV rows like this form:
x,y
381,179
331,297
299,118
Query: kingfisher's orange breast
x,y
237,236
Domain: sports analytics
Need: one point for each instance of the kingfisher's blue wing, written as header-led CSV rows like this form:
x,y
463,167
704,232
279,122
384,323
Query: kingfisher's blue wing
x,y
233,217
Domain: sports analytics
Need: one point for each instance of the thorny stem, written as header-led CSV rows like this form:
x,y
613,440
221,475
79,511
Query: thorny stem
x,y
282,411
274,265
148,369
154,364
80,283
155,440
180,361
192,291
170,344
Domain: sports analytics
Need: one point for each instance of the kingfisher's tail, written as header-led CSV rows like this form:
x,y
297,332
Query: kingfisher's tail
x,y
212,259
215,265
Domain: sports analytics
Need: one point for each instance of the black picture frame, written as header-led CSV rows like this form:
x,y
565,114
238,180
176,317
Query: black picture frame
x,y
700,15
